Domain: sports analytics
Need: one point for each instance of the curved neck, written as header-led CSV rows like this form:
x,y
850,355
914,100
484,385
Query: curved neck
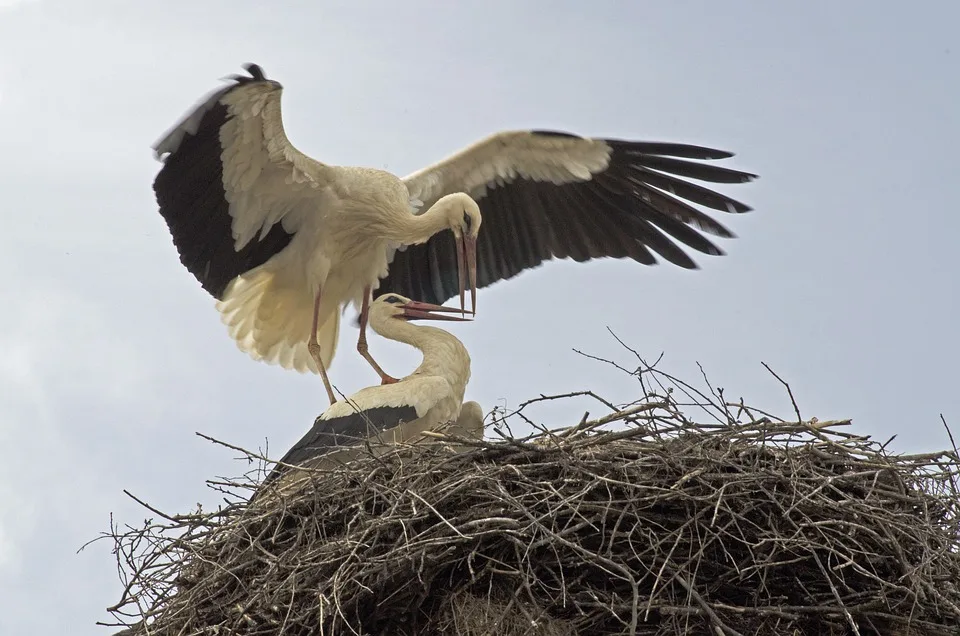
x,y
413,229
443,354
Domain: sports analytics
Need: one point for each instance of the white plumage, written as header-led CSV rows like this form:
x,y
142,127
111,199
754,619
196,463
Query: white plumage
x,y
280,239
429,399
283,241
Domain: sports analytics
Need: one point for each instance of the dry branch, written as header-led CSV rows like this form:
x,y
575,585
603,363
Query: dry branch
x,y
660,525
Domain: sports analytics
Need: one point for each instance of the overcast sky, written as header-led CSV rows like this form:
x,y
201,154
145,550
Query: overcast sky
x,y
843,279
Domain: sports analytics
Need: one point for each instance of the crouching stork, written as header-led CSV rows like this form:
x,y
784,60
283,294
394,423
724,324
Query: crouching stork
x,y
378,417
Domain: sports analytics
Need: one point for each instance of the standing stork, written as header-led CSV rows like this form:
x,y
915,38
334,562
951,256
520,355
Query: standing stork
x,y
430,398
283,241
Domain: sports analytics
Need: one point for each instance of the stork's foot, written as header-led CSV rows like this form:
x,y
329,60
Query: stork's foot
x,y
384,377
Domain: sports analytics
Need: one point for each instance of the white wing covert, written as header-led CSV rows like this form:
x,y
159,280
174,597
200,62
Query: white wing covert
x,y
546,194
232,185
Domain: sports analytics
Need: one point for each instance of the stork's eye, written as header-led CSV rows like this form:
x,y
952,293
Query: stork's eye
x,y
392,299
467,221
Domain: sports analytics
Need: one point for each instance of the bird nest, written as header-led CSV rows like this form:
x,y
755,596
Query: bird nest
x,y
641,522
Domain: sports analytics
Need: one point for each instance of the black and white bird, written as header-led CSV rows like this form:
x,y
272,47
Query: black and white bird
x,y
429,399
283,241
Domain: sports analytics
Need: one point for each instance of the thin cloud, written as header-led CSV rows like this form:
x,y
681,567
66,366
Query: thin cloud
x,y
62,356
12,4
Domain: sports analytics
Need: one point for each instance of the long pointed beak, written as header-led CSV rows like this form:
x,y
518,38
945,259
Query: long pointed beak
x,y
461,270
416,310
470,242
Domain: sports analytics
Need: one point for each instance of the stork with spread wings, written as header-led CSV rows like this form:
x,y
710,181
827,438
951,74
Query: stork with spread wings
x,y
283,241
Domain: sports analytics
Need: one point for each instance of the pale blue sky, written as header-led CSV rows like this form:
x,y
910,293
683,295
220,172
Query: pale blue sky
x,y
111,355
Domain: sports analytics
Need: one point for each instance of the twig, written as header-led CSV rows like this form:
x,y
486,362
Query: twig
x,y
593,522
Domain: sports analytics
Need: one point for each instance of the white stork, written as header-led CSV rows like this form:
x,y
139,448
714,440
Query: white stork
x,y
283,241
430,398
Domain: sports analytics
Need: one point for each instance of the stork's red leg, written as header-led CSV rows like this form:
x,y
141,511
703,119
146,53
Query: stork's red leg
x,y
362,342
314,347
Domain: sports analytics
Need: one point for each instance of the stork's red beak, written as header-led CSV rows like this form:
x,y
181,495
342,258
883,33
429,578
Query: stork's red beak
x,y
416,310
471,245
467,267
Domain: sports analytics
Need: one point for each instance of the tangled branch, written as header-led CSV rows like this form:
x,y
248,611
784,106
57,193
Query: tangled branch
x,y
643,520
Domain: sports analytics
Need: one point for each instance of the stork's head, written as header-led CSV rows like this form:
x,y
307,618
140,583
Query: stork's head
x,y
463,215
397,307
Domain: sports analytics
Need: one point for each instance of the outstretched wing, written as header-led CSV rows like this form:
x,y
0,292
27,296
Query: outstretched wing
x,y
233,189
546,195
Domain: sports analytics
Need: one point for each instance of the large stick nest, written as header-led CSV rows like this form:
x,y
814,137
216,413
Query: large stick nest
x,y
659,525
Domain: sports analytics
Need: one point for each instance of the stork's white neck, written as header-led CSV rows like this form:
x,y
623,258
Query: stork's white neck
x,y
420,228
443,354
412,229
